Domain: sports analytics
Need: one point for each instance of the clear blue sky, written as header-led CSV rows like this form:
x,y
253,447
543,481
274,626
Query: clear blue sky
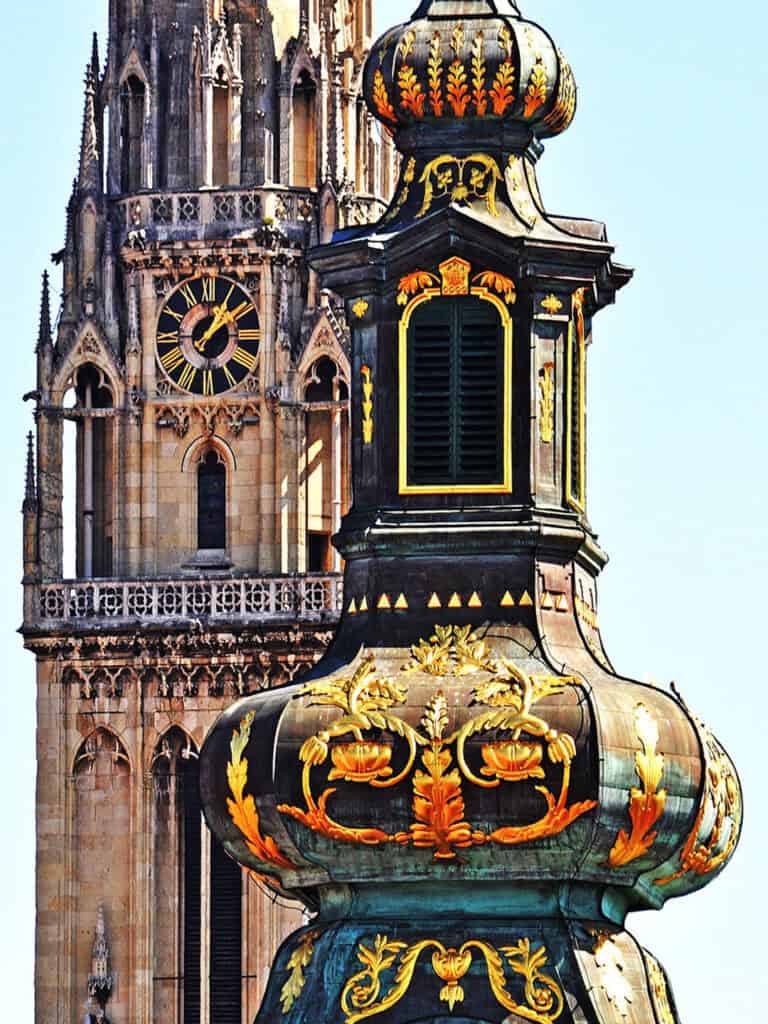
x,y
668,148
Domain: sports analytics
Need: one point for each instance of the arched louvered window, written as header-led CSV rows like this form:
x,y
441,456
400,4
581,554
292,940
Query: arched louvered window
x,y
211,503
455,419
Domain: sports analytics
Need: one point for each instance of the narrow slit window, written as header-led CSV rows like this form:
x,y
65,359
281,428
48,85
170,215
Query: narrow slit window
x,y
211,503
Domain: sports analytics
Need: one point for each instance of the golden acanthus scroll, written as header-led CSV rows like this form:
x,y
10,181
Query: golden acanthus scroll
x,y
646,805
365,995
359,753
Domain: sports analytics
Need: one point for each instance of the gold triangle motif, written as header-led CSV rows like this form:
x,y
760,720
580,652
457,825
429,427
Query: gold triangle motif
x,y
384,603
401,604
526,601
434,602
474,601
507,601
352,610
455,601
562,603
546,600
364,605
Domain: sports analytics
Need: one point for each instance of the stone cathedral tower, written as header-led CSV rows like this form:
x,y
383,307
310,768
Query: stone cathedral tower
x,y
203,378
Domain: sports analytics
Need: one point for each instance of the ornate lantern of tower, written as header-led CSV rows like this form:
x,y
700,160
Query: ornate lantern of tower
x,y
465,793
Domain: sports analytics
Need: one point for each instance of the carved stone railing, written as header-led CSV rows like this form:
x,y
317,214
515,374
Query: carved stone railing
x,y
83,603
171,212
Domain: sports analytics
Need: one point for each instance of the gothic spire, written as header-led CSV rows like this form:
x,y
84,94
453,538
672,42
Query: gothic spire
x,y
44,339
89,172
95,64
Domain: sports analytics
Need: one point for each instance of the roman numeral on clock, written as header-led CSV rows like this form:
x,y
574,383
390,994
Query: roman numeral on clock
x,y
187,375
249,334
167,337
189,295
173,313
209,289
172,359
244,358
208,382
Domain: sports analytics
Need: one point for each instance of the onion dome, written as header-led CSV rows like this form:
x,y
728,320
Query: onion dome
x,y
465,63
463,759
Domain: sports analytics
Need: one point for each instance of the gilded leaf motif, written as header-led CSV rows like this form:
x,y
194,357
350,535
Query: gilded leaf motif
x,y
536,95
381,98
435,74
479,94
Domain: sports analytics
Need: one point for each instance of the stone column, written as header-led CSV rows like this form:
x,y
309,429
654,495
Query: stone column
x,y
235,132
207,132
87,483
336,468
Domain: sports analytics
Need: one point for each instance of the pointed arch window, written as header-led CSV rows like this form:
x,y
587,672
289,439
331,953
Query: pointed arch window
x,y
303,132
132,113
221,128
211,502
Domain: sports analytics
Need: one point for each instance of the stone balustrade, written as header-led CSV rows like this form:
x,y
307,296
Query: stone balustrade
x,y
169,213
89,603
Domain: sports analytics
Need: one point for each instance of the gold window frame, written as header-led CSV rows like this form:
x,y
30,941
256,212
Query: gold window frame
x,y
505,486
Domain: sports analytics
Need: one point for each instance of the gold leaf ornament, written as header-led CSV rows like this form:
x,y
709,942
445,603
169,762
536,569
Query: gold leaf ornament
x,y
498,283
646,805
479,94
299,960
435,74
536,94
369,993
460,180
508,697
242,809
381,98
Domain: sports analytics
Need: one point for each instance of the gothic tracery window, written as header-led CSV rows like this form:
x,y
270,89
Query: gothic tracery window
x,y
132,114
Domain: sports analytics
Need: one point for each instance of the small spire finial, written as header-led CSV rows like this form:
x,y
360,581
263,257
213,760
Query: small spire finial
x,y
95,64
44,338
89,174
30,491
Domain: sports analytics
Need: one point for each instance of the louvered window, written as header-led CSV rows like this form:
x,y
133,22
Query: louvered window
x,y
456,380
226,922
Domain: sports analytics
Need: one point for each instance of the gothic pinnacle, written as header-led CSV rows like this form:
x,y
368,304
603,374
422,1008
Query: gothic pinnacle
x,y
44,339
89,172
29,480
95,65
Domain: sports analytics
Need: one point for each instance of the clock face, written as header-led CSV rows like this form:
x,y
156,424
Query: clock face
x,y
208,335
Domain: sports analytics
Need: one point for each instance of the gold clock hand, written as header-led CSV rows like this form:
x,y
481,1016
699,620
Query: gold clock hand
x,y
219,317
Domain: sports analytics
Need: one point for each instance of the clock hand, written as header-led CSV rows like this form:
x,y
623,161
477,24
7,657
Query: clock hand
x,y
220,317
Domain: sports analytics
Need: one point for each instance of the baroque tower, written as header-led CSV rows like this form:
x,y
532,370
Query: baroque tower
x,y
466,794
191,445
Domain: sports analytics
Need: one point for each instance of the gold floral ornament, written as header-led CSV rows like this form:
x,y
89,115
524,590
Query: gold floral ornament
x,y
610,962
414,283
716,830
454,273
367,404
435,74
460,180
646,805
479,93
381,100
498,283
242,809
299,960
562,113
456,88
438,806
536,94
502,90
547,403
519,194
551,304
367,993
365,701
408,176
360,308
